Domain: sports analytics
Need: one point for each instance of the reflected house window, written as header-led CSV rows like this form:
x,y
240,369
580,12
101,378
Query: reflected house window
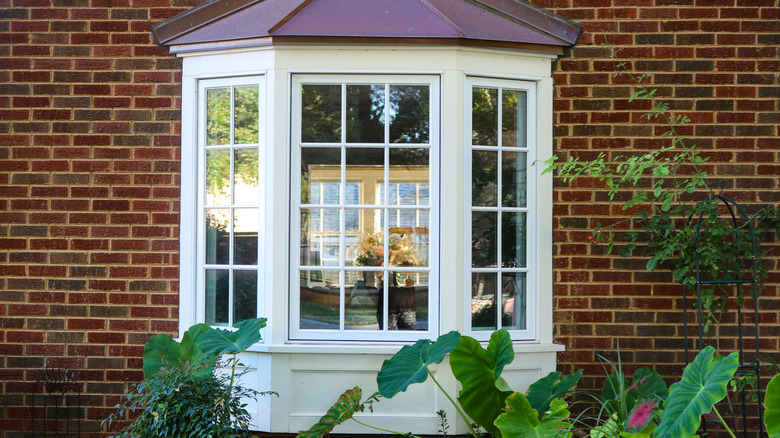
x,y
499,261
364,211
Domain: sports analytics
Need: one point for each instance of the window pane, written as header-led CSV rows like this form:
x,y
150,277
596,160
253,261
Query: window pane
x,y
362,295
245,236
246,115
218,177
217,296
244,295
321,114
320,299
513,299
318,166
245,185
483,301
484,178
365,113
405,297
369,249
513,118
366,165
484,233
320,234
484,116
408,244
217,236
409,178
513,240
217,116
514,183
409,114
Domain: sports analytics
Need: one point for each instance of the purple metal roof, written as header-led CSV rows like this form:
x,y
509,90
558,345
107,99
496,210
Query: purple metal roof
x,y
502,23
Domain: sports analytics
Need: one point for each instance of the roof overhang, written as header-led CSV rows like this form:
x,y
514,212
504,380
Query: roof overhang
x,y
505,24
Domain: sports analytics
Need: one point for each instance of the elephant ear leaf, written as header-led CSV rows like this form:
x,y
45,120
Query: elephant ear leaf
x,y
344,408
772,408
483,396
522,421
704,383
410,364
542,392
221,341
160,352
189,349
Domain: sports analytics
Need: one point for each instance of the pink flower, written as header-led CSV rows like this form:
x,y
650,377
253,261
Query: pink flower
x,y
640,416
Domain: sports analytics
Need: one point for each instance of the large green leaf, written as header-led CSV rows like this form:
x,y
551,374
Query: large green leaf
x,y
344,408
222,341
772,408
161,351
410,364
479,372
550,387
522,421
704,383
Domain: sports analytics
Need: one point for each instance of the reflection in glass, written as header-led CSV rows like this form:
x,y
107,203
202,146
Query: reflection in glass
x,y
409,114
484,117
316,164
365,113
484,178
245,236
483,301
513,299
246,115
217,116
514,174
217,296
513,118
367,166
218,177
245,185
484,230
244,295
408,241
320,298
217,236
321,113
407,302
320,236
513,240
361,300
368,245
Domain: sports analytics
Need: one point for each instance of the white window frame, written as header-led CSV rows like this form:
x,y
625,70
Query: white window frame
x,y
199,295
532,209
296,334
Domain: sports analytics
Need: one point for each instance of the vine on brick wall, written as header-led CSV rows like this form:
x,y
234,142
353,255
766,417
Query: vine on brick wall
x,y
669,190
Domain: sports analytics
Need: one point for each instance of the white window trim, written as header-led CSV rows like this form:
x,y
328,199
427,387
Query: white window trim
x,y
531,332
194,202
308,335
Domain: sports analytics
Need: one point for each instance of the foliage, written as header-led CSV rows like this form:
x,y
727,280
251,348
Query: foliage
x,y
704,383
772,408
181,401
347,405
667,191
183,394
554,386
522,421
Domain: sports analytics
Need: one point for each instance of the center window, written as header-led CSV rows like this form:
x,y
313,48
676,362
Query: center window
x,y
365,207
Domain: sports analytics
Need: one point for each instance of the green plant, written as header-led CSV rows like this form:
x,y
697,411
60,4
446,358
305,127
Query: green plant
x,y
183,393
485,396
772,408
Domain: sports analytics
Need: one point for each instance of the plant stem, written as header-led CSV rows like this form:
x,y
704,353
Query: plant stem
x,y
462,415
728,429
379,428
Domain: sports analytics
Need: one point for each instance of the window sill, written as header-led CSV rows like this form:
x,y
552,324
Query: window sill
x,y
376,349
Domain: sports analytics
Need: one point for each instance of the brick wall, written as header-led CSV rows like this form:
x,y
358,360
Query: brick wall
x,y
89,138
714,60
89,149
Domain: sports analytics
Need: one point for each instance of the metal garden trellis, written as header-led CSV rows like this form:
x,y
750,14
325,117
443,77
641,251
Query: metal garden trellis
x,y
60,396
736,213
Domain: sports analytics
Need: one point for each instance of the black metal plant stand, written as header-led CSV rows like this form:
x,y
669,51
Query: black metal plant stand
x,y
737,213
59,396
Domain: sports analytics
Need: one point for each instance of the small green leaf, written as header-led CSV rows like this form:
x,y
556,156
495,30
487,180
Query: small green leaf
x,y
410,364
542,392
772,407
522,421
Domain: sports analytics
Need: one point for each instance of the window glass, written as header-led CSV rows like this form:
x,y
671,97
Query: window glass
x,y
365,211
499,207
230,200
